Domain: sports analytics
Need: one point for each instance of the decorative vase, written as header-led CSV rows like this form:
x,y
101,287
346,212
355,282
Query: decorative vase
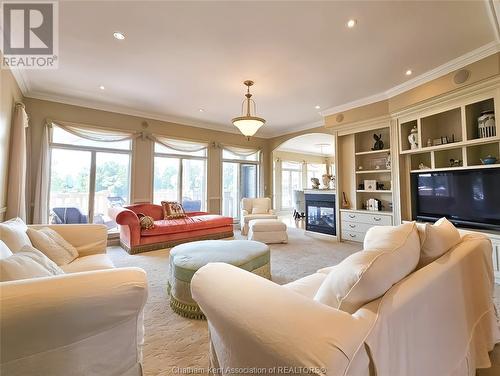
x,y
326,181
486,126
413,138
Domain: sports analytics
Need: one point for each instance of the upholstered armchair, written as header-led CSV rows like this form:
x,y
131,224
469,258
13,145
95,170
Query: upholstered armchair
x,y
255,208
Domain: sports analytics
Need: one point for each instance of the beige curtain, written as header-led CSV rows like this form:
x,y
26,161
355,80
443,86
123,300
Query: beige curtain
x,y
41,199
16,191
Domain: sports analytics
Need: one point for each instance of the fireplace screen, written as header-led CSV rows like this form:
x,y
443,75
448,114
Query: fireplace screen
x,y
320,214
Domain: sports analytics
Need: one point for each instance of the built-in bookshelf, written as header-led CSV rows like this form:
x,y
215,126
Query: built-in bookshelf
x,y
360,163
449,138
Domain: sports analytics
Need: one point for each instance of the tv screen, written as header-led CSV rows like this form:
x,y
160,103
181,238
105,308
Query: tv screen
x,y
470,198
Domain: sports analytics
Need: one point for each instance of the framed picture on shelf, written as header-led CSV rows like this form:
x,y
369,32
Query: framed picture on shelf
x,y
370,185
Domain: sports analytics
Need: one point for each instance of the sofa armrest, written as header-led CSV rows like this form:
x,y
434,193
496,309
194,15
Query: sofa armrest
x,y
244,212
128,219
256,323
88,239
63,314
271,211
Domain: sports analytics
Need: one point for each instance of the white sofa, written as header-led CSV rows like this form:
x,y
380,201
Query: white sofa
x,y
85,322
439,320
255,208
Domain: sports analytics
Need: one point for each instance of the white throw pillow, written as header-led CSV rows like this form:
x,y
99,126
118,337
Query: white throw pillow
x,y
4,251
390,254
13,233
27,263
436,240
53,245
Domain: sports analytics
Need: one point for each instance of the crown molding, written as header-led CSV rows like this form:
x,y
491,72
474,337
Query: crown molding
x,y
452,65
122,110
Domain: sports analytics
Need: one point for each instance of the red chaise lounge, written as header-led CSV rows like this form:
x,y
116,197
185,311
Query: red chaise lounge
x,y
167,232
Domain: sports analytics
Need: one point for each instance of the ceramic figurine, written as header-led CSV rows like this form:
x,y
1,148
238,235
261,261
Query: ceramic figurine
x,y
315,183
388,161
413,138
455,163
429,142
379,144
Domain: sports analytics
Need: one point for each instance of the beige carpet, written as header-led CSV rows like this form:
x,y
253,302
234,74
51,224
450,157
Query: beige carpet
x,y
172,341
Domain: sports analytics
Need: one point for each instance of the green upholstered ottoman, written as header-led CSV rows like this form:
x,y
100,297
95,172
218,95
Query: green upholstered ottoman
x,y
186,259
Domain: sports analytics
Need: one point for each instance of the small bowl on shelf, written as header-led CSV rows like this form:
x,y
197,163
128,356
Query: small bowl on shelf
x,y
488,160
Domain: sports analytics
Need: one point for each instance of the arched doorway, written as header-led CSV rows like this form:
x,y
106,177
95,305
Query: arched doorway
x,y
295,162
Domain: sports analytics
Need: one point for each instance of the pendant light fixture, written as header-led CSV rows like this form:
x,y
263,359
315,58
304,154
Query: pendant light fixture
x,y
248,124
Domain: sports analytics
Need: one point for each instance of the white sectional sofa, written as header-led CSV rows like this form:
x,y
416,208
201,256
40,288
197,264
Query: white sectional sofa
x,y
439,320
85,322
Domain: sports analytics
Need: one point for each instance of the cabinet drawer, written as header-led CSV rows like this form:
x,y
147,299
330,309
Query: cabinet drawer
x,y
353,236
374,218
355,226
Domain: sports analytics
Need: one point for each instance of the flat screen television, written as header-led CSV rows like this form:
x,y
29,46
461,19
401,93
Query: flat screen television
x,y
468,198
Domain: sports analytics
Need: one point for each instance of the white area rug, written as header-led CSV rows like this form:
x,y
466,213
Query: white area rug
x,y
174,342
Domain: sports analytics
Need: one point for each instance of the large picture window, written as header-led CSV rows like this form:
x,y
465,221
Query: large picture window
x,y
180,174
87,176
240,178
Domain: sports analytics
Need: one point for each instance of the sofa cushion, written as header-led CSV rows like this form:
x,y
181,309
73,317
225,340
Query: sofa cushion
x,y
53,245
436,240
87,263
198,222
13,233
27,263
4,251
390,254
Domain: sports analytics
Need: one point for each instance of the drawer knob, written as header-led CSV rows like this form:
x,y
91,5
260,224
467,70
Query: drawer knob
x,y
352,235
377,219
352,216
352,226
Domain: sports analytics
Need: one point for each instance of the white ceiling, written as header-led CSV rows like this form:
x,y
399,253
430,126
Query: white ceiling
x,y
310,143
179,57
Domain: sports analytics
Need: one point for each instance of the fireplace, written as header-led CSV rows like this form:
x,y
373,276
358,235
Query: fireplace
x,y
320,213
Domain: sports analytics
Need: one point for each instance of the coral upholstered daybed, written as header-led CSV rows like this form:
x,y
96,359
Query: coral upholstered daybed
x,y
167,232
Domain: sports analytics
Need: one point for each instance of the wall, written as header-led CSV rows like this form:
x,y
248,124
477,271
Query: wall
x,y
479,71
9,95
142,168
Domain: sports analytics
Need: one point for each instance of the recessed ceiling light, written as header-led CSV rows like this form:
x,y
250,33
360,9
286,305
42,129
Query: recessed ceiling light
x,y
101,87
317,107
201,110
351,23
409,72
118,35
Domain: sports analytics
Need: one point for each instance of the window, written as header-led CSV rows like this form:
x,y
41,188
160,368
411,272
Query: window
x,y
180,174
87,177
240,178
291,180
315,170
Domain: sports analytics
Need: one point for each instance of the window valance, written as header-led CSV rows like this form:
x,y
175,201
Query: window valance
x,y
94,133
179,145
239,151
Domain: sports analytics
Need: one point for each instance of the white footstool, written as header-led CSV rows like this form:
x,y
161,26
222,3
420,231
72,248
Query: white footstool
x,y
267,231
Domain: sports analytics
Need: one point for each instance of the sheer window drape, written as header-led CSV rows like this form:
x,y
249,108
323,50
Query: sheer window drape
x,y
16,190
